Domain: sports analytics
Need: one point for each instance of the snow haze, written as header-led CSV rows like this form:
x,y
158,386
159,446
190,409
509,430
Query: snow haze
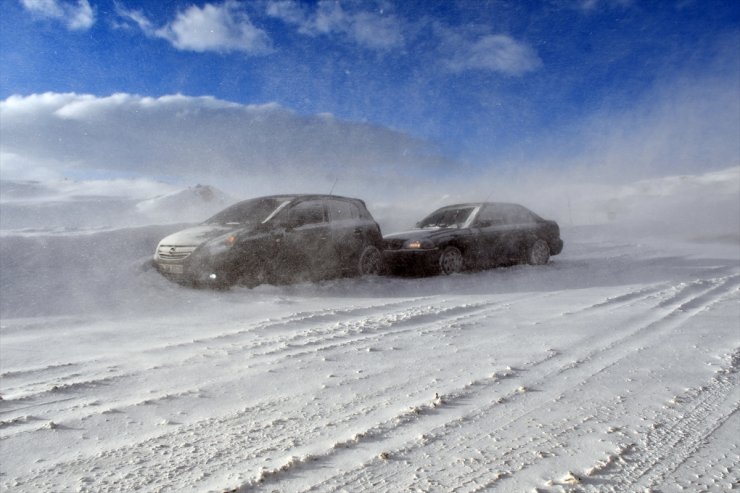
x,y
613,368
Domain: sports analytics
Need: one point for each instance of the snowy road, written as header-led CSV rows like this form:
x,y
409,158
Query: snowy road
x,y
615,368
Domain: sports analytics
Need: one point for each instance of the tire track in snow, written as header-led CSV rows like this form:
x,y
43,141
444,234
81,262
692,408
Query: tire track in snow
x,y
407,317
105,374
684,306
498,475
281,438
73,369
676,435
429,319
708,470
409,321
90,373
619,301
679,305
362,329
424,323
399,429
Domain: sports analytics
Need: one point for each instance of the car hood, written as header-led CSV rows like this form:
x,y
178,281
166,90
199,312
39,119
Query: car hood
x,y
199,234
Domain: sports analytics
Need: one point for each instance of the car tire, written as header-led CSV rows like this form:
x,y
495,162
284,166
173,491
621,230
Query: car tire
x,y
538,253
370,262
451,261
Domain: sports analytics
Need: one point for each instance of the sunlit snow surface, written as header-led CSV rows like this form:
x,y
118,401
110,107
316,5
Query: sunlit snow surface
x,y
614,368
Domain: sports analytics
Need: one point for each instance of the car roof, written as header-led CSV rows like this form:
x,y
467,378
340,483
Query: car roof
x,y
478,204
306,196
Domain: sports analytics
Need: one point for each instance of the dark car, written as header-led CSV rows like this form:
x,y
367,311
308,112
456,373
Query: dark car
x,y
280,238
473,236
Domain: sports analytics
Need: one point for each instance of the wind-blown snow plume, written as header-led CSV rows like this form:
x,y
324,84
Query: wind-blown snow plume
x,y
201,139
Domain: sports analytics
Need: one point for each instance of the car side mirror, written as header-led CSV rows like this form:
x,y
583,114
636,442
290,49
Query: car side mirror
x,y
485,224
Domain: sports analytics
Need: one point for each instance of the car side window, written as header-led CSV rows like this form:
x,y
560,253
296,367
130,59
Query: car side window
x,y
309,212
518,215
355,211
504,215
491,216
340,210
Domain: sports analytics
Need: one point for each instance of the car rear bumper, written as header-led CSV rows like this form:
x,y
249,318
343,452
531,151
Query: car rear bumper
x,y
556,246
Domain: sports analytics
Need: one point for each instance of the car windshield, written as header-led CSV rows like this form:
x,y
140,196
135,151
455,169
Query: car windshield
x,y
446,218
250,211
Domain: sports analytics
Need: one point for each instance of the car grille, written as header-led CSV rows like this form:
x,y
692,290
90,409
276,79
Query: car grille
x,y
175,252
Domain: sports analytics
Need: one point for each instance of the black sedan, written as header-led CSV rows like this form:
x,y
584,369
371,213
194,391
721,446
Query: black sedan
x,y
275,239
473,236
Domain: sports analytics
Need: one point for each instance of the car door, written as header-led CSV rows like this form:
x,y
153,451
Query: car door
x,y
347,232
493,236
307,245
522,228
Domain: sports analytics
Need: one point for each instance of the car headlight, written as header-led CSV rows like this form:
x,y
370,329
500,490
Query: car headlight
x,y
418,245
220,244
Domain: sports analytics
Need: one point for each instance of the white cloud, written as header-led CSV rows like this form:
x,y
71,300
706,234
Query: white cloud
x,y
372,29
224,27
494,52
221,28
202,139
287,10
376,31
79,16
137,17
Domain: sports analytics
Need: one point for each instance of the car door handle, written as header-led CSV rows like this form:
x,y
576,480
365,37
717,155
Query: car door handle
x,y
358,232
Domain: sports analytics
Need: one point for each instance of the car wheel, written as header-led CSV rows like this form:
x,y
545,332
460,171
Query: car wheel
x,y
370,262
538,253
451,260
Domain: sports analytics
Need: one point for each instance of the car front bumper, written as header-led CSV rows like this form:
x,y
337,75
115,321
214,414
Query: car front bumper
x,y
413,262
194,271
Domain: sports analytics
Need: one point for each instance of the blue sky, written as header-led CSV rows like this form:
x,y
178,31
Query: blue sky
x,y
478,82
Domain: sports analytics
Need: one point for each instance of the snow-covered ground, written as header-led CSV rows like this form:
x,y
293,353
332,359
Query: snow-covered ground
x,y
614,368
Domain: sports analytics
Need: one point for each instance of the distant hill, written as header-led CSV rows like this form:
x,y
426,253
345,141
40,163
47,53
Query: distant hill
x,y
193,204
71,205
